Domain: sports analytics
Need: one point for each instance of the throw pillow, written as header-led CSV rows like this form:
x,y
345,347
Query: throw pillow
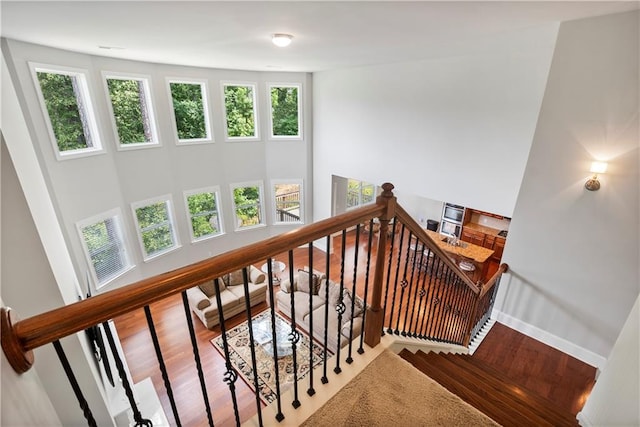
x,y
203,303
305,286
235,278
334,294
358,306
209,288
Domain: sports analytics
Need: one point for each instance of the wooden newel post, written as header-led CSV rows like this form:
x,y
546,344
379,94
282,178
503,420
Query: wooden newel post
x,y
375,315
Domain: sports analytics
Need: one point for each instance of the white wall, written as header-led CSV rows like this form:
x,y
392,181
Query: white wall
x,y
615,398
82,188
454,129
573,254
29,287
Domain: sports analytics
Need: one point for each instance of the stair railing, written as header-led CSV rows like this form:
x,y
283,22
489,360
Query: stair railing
x,y
420,293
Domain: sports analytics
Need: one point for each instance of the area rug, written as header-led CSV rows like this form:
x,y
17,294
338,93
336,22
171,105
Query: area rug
x,y
390,391
240,355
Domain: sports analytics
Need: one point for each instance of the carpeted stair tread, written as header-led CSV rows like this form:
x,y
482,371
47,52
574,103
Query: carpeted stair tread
x,y
542,406
488,390
502,409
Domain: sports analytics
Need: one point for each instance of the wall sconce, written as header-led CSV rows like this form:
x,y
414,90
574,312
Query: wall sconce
x,y
592,183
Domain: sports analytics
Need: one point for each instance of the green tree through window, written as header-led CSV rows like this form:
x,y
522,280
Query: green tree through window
x,y
239,108
247,205
130,110
188,108
155,227
204,215
284,111
64,106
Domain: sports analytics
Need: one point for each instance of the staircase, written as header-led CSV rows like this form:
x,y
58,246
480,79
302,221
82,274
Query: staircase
x,y
488,390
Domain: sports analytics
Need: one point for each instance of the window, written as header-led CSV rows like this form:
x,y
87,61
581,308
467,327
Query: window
x,y
247,205
285,111
288,201
65,101
132,112
360,193
190,111
240,111
156,232
204,213
104,246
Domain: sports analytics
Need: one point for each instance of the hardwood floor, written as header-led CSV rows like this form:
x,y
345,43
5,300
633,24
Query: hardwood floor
x,y
553,373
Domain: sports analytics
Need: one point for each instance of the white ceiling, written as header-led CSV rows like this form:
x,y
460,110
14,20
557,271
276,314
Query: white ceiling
x,y
236,34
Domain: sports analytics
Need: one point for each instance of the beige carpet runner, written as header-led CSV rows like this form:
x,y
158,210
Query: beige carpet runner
x,y
391,392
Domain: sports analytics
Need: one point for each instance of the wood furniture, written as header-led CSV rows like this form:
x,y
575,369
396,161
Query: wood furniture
x,y
478,254
484,236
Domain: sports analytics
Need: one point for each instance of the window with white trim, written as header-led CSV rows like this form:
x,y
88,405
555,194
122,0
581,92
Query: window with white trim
x,y
105,246
287,201
66,103
241,114
155,225
360,193
203,210
190,111
248,206
131,109
285,111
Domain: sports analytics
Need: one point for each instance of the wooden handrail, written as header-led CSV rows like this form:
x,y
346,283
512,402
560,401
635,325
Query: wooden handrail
x,y
21,337
419,232
503,268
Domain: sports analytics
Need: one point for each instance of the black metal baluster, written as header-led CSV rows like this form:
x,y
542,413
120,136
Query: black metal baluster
x,y
294,337
84,405
462,287
349,359
440,306
274,340
422,303
403,284
414,259
196,356
324,378
366,291
254,364
340,308
433,301
230,376
311,391
395,286
137,416
417,287
445,321
163,367
386,291
435,262
455,310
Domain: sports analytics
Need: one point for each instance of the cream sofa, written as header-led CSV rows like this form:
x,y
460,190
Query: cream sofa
x,y
317,287
202,298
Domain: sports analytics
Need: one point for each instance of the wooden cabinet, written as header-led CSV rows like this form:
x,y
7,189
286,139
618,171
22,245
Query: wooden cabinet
x,y
488,241
472,236
498,248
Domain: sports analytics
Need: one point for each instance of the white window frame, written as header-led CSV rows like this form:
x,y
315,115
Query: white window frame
x,y
214,190
274,202
298,137
146,80
360,203
236,220
207,111
82,77
256,120
171,222
116,216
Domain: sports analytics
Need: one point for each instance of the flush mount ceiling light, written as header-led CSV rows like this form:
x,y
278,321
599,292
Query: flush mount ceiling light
x,y
281,40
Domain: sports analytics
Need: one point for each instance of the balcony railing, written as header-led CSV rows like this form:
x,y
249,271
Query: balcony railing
x,y
409,285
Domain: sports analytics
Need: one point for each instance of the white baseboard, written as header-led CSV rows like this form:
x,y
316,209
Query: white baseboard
x,y
583,420
554,341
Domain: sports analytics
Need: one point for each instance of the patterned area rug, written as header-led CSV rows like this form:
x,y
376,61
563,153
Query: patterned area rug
x,y
240,354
